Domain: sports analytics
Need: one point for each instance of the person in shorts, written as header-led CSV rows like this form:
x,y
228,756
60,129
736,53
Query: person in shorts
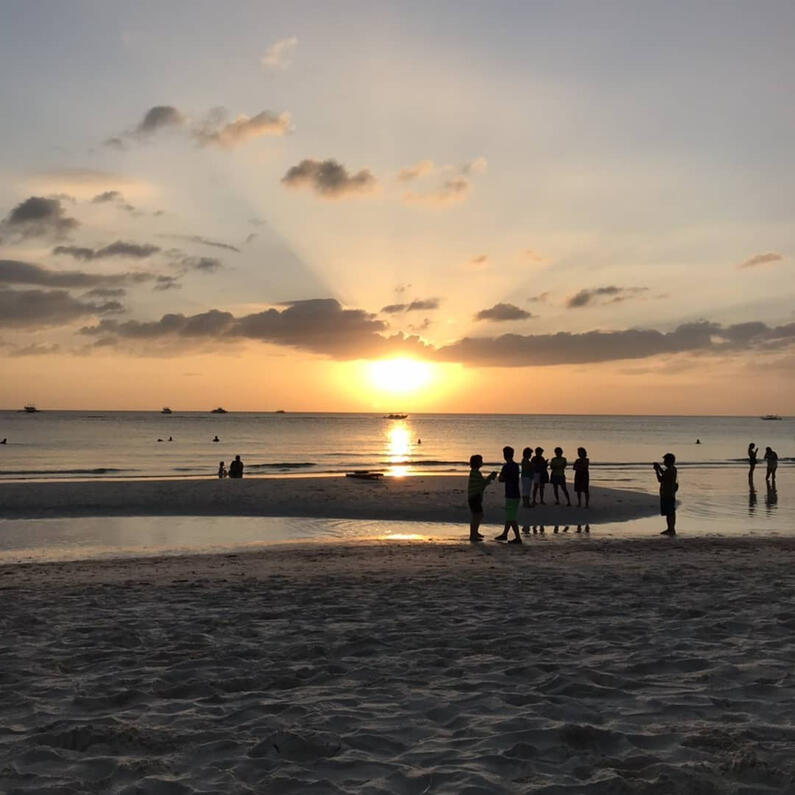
x,y
582,477
475,488
509,475
666,477
771,456
557,475
540,476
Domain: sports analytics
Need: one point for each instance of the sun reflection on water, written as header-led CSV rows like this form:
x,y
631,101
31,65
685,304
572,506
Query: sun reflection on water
x,y
398,449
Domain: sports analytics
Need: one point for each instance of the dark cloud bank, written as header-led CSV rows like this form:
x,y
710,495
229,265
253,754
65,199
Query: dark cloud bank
x,y
420,305
41,308
15,272
117,249
322,326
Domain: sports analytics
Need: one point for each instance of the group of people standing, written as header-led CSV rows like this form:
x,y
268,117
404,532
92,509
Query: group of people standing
x,y
525,483
770,456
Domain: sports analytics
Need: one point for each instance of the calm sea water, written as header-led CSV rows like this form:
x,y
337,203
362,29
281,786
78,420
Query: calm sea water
x,y
715,495
71,444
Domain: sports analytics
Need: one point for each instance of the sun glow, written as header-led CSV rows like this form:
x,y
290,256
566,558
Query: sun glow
x,y
399,376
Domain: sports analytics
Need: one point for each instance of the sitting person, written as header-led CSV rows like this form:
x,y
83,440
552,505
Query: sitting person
x,y
236,468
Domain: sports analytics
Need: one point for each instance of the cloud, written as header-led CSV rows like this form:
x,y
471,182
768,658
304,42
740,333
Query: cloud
x,y
454,189
514,350
106,292
328,178
117,249
503,312
158,118
242,129
115,142
540,298
106,196
85,183
318,325
415,306
479,263
277,55
38,308
477,166
611,293
419,169
37,216
205,264
761,259
36,349
167,283
204,241
15,272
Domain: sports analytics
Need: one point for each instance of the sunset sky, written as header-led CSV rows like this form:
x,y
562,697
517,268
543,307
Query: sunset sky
x,y
556,206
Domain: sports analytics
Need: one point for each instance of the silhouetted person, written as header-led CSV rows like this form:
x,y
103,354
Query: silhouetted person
x,y
527,475
582,477
475,488
771,456
752,453
171,438
509,475
222,473
216,439
236,468
159,440
540,476
698,441
668,488
557,469
5,440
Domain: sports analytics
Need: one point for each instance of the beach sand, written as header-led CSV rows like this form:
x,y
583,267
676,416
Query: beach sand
x,y
564,665
418,498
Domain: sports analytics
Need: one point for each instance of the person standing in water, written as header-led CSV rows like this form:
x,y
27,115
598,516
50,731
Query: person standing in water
x,y
752,453
582,477
509,475
668,487
222,469
540,476
771,456
475,488
557,475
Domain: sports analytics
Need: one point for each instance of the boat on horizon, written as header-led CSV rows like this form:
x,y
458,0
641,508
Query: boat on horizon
x,y
219,410
31,409
166,410
395,416
770,417
280,411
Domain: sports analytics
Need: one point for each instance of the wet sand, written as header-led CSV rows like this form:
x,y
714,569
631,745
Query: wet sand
x,y
623,666
420,498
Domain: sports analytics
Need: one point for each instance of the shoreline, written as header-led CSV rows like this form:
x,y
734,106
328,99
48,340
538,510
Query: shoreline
x,y
431,498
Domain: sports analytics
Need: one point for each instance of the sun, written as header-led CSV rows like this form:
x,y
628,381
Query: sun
x,y
399,376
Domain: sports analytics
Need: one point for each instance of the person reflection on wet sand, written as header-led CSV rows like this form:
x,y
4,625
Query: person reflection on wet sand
x,y
581,529
771,497
751,497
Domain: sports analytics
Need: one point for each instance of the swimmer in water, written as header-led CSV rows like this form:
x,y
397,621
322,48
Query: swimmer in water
x,y
216,439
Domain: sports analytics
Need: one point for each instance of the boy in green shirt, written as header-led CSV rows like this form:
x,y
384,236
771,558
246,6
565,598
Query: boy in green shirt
x,y
475,488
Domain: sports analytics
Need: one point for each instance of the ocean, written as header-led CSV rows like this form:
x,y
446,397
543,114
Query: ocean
x,y
714,490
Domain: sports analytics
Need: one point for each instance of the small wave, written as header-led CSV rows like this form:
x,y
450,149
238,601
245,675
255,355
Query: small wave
x,y
97,471
282,465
